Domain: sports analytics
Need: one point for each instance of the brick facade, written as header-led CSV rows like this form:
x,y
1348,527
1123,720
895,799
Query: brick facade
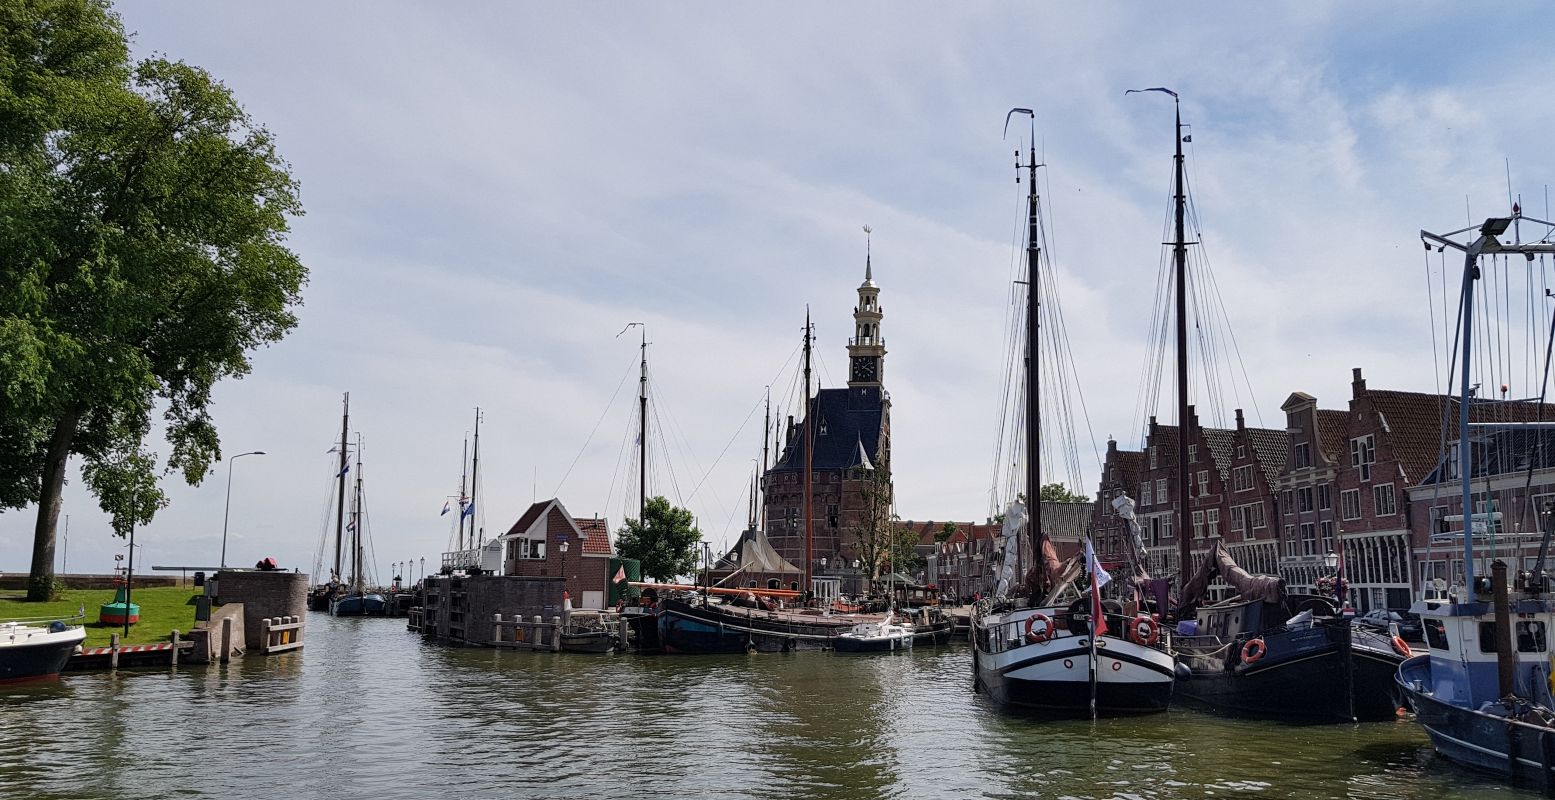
x,y
533,548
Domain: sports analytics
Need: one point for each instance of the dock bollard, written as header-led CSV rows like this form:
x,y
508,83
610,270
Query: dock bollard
x,y
113,651
175,647
496,628
536,632
556,634
626,630
226,639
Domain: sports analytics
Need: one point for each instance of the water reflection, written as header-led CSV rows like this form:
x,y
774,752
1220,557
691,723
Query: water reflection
x,y
368,711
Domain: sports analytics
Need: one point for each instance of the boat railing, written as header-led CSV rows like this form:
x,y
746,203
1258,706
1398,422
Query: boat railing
x,y
1010,634
43,620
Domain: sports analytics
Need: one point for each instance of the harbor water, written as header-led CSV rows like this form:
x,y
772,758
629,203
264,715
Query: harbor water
x,y
369,711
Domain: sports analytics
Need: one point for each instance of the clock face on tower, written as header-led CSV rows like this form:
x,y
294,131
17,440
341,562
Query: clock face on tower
x,y
864,368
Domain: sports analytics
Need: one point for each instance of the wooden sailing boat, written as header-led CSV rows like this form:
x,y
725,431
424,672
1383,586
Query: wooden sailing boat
x,y
1030,654
358,600
320,597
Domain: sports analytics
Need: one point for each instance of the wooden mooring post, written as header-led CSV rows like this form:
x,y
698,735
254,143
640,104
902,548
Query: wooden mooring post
x,y
113,651
175,647
533,635
279,634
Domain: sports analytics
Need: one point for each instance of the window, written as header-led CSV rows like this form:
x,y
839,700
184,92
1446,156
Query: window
x,y
1153,448
1325,496
1292,547
1239,519
1242,478
1308,539
527,549
1304,499
1203,482
1363,453
1303,455
1436,634
831,516
1212,522
1166,528
1198,524
1287,502
1529,636
1257,519
1144,493
1350,504
1383,500
1160,490
1326,528
1193,454
1241,451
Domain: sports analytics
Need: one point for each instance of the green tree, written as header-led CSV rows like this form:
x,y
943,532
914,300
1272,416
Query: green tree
x,y
665,540
903,554
1058,493
945,532
141,260
877,525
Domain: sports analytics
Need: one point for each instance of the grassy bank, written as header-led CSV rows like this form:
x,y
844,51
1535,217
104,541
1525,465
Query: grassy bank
x,y
162,609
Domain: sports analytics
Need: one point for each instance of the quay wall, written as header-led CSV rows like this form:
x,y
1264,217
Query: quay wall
x,y
459,608
207,636
18,581
264,594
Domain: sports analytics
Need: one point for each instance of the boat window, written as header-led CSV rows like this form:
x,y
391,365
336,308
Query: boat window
x,y
1436,634
1530,637
1487,637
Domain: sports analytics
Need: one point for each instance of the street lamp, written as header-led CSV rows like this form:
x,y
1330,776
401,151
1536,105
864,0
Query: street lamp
x,y
227,514
1331,560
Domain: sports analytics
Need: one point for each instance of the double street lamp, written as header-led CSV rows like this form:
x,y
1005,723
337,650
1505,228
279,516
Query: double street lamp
x,y
227,514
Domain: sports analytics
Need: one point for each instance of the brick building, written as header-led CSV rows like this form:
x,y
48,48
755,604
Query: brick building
x,y
546,541
851,429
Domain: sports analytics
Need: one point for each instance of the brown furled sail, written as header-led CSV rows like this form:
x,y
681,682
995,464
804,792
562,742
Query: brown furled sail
x,y
1249,587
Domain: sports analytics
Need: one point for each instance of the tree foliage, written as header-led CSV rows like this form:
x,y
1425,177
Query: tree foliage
x,y
945,532
876,526
664,540
142,258
1059,493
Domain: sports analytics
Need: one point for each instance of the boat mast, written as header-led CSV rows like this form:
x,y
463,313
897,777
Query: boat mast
x,y
1033,390
464,461
340,480
356,522
642,428
475,472
809,462
766,430
1180,268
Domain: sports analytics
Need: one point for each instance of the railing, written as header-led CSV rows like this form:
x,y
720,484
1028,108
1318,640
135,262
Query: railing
x,y
535,635
1011,635
866,340
462,559
279,634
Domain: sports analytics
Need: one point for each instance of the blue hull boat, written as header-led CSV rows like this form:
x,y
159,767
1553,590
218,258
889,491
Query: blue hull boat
x,y
370,604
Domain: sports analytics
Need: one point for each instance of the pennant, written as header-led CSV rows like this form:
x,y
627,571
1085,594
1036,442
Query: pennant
x,y
620,574
351,526
344,470
1153,89
446,504
469,510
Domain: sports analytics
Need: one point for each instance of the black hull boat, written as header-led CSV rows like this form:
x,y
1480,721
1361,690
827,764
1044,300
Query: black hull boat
x,y
1375,659
1301,675
31,654
1052,676
689,628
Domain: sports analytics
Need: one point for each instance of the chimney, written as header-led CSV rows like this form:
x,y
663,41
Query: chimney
x,y
789,436
1357,383
1193,421
1112,445
1240,421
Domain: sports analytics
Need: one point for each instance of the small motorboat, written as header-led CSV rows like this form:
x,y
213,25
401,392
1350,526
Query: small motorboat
x,y
30,653
874,637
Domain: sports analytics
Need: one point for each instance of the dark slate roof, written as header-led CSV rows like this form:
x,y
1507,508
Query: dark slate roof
x,y
529,517
1271,447
847,430
1222,448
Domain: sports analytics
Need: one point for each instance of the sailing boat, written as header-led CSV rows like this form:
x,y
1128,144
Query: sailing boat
x,y
1481,694
322,595
356,600
1066,660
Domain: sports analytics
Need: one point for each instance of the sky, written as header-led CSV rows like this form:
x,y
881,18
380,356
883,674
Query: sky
x,y
493,191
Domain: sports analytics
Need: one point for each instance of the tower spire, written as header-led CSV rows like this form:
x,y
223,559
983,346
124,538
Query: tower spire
x,y
869,276
866,350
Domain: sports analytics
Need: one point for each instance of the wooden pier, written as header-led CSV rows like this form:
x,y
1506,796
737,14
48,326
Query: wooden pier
x,y
533,635
115,655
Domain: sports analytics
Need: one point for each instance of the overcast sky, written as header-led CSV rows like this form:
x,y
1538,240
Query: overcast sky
x,y
494,190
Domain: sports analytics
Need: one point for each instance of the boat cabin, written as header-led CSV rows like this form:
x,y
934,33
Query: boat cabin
x,y
1461,640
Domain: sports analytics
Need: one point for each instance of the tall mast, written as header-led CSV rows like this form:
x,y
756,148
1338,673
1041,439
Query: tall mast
x,y
1180,263
340,480
356,522
809,460
642,427
766,429
475,474
1033,390
464,496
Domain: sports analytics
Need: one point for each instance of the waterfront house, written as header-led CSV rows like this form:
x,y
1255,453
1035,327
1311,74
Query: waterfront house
x,y
547,541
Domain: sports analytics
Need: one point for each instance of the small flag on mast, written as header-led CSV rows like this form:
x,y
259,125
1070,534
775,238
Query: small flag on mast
x,y
1099,578
446,505
620,574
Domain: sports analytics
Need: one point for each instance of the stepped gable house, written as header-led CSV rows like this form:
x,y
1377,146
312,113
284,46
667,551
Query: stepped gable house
x,y
851,428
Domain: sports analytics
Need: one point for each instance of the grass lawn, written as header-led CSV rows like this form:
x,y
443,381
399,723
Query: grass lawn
x,y
162,609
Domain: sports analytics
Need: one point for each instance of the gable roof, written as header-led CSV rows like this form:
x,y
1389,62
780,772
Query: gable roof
x,y
1331,426
596,536
847,425
1271,447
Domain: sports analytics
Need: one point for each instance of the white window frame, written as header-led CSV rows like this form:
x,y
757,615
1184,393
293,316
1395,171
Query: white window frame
x,y
1198,524
1383,491
1350,499
1363,454
1242,478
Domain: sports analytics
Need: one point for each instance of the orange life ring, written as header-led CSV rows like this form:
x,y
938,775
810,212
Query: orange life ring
x,y
1143,630
1253,651
1039,636
1402,647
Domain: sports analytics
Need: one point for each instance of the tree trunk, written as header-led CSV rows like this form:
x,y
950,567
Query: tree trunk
x,y
40,581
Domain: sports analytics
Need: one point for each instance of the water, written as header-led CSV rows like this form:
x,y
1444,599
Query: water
x,y
368,711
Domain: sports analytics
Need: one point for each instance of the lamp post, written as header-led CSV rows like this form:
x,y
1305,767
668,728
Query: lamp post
x,y
227,514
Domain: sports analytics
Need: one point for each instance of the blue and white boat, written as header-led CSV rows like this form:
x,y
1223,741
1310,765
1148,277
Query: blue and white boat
x,y
1482,691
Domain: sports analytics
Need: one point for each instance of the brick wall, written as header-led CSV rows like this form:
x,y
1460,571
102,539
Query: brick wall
x,y
263,595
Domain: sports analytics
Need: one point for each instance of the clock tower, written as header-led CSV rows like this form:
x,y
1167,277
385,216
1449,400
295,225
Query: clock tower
x,y
866,348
